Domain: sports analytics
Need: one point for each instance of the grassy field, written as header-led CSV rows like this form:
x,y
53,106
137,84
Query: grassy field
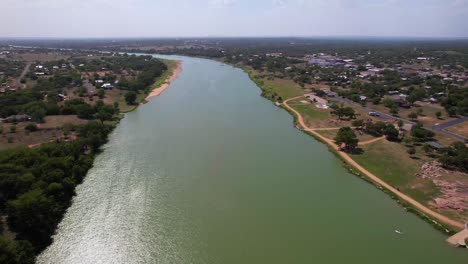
x,y
42,57
52,122
428,117
392,163
460,129
50,130
284,88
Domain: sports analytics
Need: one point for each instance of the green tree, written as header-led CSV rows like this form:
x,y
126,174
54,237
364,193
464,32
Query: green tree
x,y
400,123
347,137
413,116
391,133
411,151
101,93
13,129
438,114
394,110
130,97
358,123
82,90
31,127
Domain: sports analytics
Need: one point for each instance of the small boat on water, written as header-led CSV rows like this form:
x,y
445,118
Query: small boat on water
x,y
398,232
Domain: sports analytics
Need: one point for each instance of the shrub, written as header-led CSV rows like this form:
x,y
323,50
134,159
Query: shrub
x,y
31,127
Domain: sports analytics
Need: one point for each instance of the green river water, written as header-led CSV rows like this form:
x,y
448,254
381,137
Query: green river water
x,y
210,172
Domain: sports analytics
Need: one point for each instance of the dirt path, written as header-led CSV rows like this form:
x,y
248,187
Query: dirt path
x,y
374,178
23,73
371,141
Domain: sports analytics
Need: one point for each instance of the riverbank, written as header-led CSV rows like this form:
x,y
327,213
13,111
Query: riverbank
x,y
373,177
173,70
441,222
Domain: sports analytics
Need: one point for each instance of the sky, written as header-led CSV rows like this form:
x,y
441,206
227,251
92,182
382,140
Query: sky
x,y
233,18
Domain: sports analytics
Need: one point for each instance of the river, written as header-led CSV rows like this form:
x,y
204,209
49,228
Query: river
x,y
210,172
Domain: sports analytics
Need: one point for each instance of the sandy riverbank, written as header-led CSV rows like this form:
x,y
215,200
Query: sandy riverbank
x,y
158,90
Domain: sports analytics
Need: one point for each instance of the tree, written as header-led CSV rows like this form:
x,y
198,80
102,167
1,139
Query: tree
x,y
31,127
358,123
413,116
101,93
421,134
84,111
391,133
82,91
394,110
346,136
411,151
426,148
130,97
400,123
13,129
438,114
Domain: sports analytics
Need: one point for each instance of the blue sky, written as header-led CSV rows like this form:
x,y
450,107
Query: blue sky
x,y
203,18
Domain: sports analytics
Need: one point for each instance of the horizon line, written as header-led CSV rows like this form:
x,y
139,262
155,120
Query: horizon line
x,y
239,37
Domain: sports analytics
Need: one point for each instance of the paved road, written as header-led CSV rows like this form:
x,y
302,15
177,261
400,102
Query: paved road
x,y
23,73
386,117
442,128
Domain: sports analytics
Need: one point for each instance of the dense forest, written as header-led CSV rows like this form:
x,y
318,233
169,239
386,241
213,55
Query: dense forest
x,y
36,188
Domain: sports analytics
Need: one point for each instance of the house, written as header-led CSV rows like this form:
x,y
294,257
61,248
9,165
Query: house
x,y
61,97
330,93
99,81
363,98
406,127
16,118
107,86
433,100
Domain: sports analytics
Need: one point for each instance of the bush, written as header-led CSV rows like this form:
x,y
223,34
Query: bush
x,y
130,97
31,127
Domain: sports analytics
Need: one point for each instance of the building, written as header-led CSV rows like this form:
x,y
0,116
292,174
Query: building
x,y
16,118
107,86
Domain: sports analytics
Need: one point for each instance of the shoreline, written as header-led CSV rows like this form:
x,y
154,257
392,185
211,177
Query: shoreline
x,y
156,91
374,178
443,223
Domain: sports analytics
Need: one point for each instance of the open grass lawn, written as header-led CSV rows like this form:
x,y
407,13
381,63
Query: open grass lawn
x,y
444,139
52,122
313,116
42,57
48,131
460,129
392,163
23,138
428,117
284,88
